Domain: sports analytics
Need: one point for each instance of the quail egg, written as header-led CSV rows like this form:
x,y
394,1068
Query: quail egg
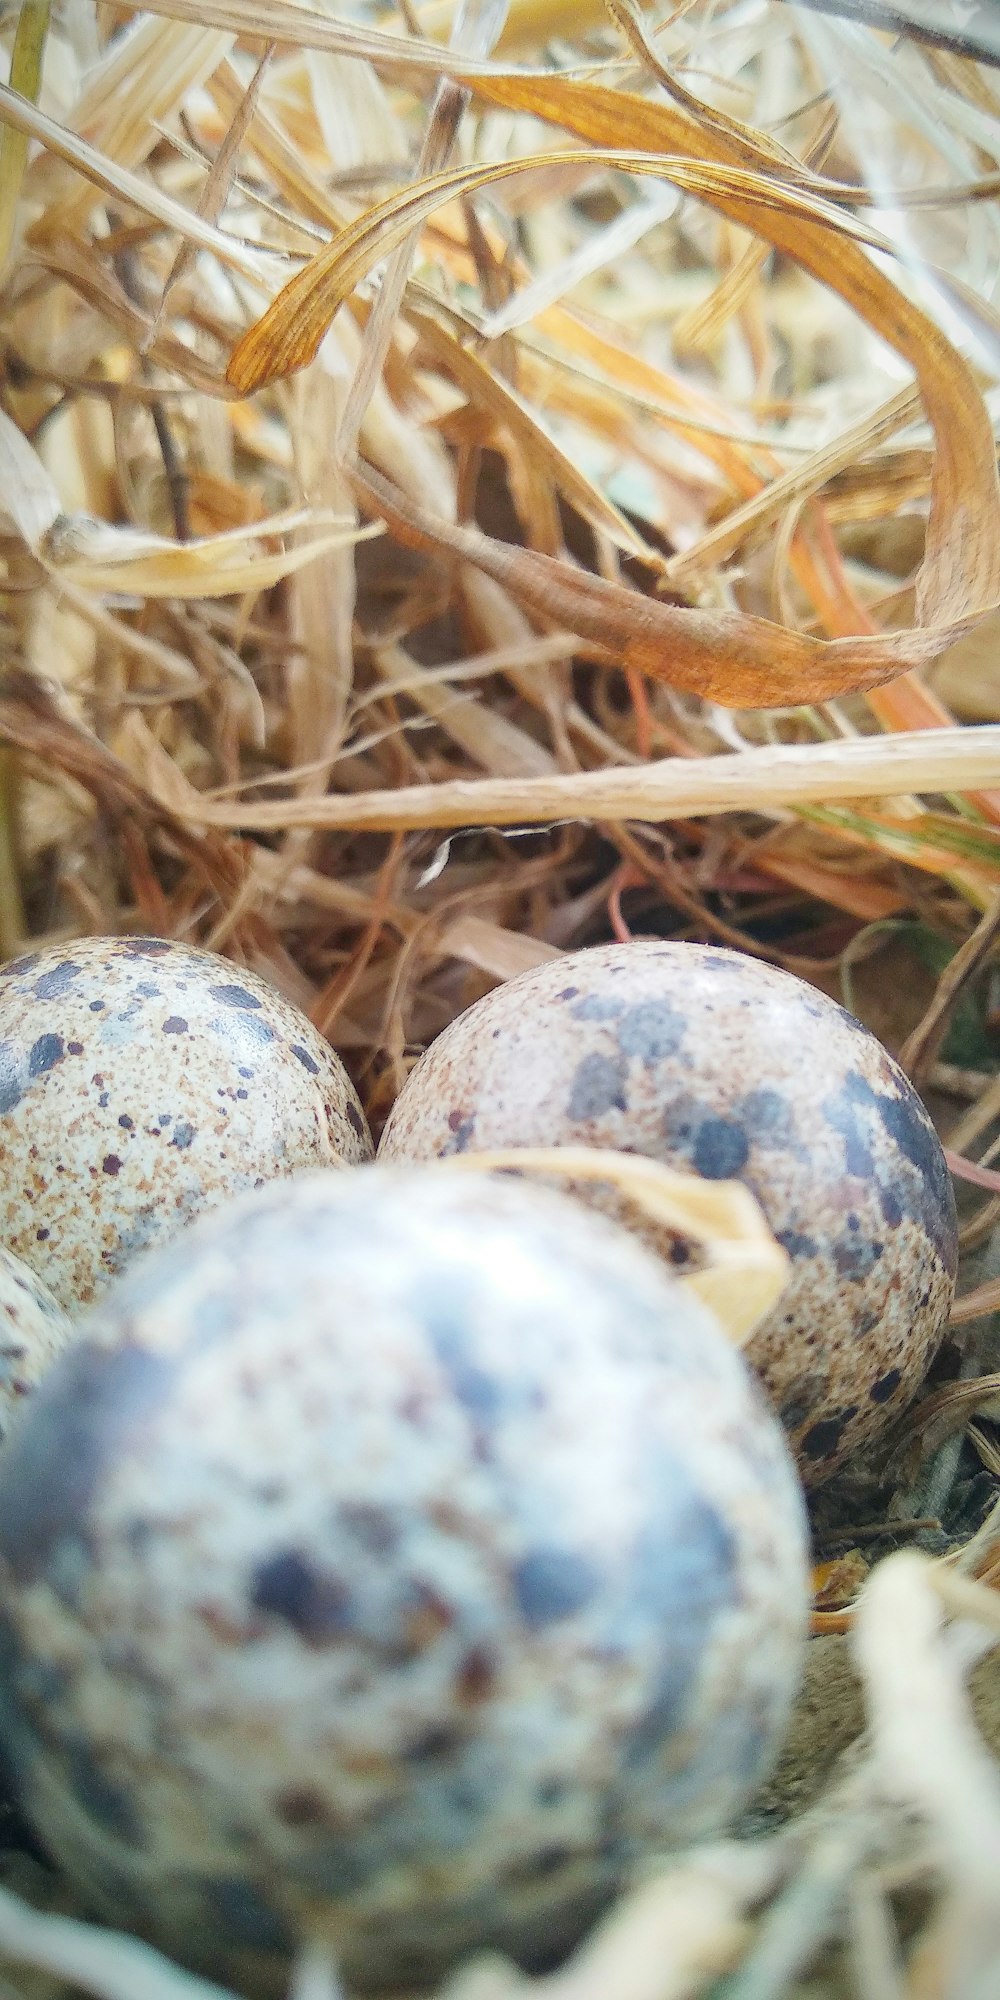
x,y
706,1059
141,1081
400,1564
33,1330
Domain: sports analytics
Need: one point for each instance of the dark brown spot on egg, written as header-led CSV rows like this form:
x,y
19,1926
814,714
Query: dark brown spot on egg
x,y
108,1803
297,1805
856,1256
886,1386
476,1677
462,1130
823,1438
797,1242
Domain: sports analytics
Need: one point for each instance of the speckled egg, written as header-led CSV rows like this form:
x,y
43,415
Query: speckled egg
x,y
33,1330
404,1561
141,1081
704,1059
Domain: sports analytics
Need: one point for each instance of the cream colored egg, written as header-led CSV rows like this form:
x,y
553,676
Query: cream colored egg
x,y
413,1556
33,1330
708,1060
142,1081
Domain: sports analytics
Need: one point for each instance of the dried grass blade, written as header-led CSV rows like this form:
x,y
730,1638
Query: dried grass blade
x,y
738,660
475,28
289,334
106,1963
925,1742
96,556
804,479
530,23
30,498
70,259
492,741
976,1304
970,1170
488,391
215,191
762,781
400,57
961,569
30,37
125,186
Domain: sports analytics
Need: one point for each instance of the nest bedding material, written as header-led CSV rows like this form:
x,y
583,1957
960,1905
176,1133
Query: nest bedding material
x,y
479,483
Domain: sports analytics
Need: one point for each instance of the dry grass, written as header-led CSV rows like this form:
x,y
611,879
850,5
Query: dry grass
x,y
463,499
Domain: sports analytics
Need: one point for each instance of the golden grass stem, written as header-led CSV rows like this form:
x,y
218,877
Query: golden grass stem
x,y
13,926
530,23
26,61
762,780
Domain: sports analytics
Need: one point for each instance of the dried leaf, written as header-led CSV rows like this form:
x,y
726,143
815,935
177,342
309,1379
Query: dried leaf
x,y
741,661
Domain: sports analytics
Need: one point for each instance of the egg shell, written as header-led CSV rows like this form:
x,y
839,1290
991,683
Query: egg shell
x,y
33,1330
408,1558
140,1082
708,1060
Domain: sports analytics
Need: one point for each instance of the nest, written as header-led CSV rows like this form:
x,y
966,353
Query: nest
x,y
481,481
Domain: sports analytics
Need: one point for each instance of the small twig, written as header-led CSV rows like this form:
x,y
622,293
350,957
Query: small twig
x,y
176,476
876,1531
970,1170
921,1047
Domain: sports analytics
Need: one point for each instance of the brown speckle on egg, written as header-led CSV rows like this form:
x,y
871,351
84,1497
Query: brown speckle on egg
x,y
141,1081
705,1059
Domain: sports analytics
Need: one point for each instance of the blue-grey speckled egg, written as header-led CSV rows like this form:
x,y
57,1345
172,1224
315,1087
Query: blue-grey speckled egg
x,y
406,1558
33,1330
708,1060
140,1082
